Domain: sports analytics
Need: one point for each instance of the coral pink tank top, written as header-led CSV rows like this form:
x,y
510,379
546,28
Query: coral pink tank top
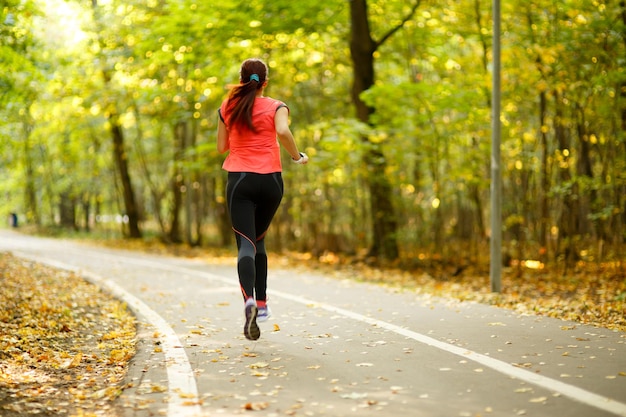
x,y
258,151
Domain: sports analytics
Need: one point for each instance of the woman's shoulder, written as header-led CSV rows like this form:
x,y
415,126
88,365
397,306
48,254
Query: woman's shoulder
x,y
224,103
270,102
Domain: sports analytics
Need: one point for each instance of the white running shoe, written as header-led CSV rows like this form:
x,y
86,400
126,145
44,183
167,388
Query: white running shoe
x,y
264,313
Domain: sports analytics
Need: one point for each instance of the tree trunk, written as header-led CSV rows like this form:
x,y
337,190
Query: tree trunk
x,y
67,211
621,190
174,234
86,206
544,220
187,139
193,207
32,208
383,218
567,218
121,162
584,169
178,184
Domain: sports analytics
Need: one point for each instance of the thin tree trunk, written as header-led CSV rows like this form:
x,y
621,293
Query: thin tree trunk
x,y
121,162
178,184
32,208
583,169
194,191
545,174
188,180
567,218
174,234
67,211
86,205
621,190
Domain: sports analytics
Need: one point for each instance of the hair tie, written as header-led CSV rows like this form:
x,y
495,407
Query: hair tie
x,y
255,77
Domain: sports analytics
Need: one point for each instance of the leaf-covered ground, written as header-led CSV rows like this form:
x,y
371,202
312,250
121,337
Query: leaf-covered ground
x,y
64,344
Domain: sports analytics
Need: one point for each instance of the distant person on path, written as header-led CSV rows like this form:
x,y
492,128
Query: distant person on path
x,y
13,220
248,126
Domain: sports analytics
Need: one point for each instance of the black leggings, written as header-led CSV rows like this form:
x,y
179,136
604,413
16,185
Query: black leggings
x,y
252,202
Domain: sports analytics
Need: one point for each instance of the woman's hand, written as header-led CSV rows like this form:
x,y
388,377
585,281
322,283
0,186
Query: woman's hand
x,y
302,160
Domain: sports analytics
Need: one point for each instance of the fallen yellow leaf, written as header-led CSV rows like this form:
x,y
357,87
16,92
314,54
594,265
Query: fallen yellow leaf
x,y
257,406
75,361
259,365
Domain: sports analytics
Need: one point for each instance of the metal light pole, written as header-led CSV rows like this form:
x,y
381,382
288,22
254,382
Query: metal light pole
x,y
495,270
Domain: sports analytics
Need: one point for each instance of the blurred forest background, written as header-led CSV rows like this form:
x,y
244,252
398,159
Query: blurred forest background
x,y
108,122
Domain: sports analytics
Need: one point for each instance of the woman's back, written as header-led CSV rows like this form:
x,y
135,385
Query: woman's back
x,y
254,151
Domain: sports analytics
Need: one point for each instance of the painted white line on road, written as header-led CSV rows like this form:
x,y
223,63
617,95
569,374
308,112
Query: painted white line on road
x,y
181,380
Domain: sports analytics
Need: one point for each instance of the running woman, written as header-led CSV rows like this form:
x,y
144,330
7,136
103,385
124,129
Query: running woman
x,y
248,126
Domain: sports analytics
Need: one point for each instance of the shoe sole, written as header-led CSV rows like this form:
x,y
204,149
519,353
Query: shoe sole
x,y
251,329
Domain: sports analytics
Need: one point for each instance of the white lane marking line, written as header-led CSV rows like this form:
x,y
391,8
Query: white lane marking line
x,y
578,394
180,376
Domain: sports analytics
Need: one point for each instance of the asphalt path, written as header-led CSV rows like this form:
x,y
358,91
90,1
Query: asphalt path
x,y
335,347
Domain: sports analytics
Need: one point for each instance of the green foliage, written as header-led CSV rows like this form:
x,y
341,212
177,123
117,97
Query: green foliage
x,y
163,68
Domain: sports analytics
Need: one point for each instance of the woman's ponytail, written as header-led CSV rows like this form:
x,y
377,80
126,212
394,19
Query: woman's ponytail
x,y
252,76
